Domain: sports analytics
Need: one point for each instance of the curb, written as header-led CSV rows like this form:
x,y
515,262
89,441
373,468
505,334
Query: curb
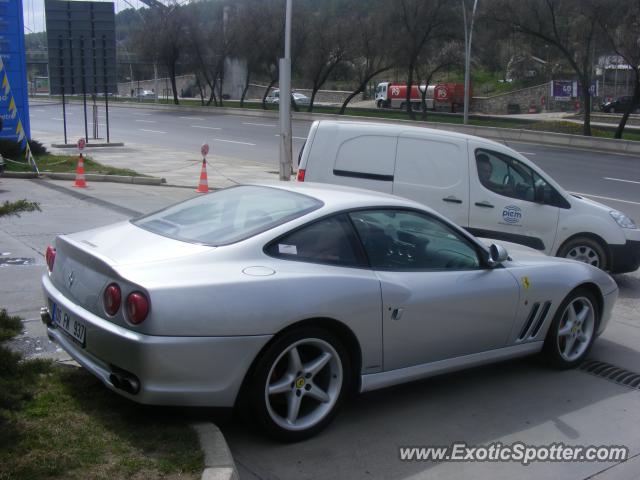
x,y
90,177
218,462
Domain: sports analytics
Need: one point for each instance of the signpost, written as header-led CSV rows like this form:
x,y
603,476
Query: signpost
x,y
82,53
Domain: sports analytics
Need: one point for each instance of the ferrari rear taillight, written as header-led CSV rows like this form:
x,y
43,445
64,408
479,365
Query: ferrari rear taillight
x,y
137,307
112,299
50,257
301,174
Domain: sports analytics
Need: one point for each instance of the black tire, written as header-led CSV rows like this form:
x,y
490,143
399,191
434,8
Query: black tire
x,y
552,351
585,249
269,410
379,104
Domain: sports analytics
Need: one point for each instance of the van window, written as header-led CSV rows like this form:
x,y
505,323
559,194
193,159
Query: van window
x,y
368,154
509,177
429,163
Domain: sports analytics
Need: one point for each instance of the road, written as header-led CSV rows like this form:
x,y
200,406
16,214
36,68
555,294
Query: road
x,y
609,178
520,401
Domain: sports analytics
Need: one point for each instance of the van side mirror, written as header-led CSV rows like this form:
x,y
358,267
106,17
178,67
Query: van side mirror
x,y
497,255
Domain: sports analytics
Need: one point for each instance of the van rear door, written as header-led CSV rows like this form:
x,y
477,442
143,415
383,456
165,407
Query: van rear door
x,y
434,172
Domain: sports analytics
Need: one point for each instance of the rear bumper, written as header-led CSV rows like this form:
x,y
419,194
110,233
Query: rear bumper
x,y
194,371
625,257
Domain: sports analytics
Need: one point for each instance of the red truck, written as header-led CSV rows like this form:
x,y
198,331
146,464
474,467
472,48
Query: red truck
x,y
442,96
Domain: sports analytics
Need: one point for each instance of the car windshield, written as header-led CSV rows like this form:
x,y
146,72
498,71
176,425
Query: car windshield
x,y
229,215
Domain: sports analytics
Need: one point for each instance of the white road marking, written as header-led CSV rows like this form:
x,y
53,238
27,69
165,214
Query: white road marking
x,y
146,121
193,118
233,141
259,124
57,119
142,114
152,131
208,128
295,138
621,180
606,198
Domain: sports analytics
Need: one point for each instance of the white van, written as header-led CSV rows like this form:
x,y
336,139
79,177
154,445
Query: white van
x,y
484,186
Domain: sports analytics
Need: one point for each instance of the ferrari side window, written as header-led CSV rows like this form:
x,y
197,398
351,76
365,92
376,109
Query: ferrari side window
x,y
407,240
326,241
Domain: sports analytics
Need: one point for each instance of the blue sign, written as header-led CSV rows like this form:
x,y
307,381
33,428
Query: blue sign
x,y
14,94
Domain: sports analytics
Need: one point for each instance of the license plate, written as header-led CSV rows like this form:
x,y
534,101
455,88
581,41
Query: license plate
x,y
72,326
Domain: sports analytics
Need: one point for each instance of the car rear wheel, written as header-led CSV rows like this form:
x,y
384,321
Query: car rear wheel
x,y
573,330
585,250
299,383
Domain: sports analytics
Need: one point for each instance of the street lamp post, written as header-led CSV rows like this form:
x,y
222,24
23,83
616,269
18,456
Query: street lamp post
x,y
286,163
468,34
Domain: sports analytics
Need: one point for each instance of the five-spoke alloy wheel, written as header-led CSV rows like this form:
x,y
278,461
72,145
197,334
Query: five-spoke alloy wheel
x,y
299,383
573,330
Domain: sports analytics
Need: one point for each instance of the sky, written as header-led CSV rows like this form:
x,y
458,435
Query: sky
x,y
33,10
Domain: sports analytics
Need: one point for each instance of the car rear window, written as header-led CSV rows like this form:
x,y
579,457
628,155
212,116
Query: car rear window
x,y
229,215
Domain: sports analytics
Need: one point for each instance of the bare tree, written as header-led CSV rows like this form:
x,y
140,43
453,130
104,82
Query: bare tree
x,y
162,37
370,42
622,30
326,49
419,22
569,26
433,61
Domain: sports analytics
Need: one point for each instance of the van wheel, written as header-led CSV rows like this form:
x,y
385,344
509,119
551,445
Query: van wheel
x,y
586,250
379,104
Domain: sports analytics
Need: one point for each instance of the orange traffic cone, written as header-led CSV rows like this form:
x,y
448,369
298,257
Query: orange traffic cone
x,y
203,186
80,182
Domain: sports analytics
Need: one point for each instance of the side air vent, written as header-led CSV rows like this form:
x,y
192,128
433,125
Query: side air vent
x,y
527,325
541,318
534,322
612,373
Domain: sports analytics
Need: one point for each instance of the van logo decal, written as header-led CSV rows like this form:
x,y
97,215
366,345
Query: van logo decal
x,y
512,214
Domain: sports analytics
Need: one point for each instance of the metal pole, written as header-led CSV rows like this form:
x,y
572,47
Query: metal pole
x,y
106,83
468,35
84,90
62,81
286,164
155,81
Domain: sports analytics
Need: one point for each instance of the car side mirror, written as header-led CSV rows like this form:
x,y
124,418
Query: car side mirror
x,y
497,255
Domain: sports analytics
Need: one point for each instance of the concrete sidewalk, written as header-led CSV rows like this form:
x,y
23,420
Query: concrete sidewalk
x,y
177,167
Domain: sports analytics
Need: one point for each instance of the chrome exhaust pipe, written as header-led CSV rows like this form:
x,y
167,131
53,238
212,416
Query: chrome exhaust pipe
x,y
125,381
45,316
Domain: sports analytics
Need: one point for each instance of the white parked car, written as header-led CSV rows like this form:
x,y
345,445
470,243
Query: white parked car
x,y
488,188
300,99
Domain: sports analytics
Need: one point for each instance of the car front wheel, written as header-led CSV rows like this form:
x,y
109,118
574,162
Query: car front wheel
x,y
299,383
585,250
573,330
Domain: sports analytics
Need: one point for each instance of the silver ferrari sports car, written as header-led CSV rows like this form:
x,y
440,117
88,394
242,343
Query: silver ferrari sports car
x,y
286,298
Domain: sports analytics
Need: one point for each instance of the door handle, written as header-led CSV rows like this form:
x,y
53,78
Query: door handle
x,y
452,199
396,314
484,204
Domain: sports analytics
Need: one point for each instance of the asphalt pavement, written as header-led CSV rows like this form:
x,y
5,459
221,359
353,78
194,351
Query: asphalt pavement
x,y
518,401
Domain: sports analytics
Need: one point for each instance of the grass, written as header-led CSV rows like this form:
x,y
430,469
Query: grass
x,y
60,422
68,164
75,428
16,208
